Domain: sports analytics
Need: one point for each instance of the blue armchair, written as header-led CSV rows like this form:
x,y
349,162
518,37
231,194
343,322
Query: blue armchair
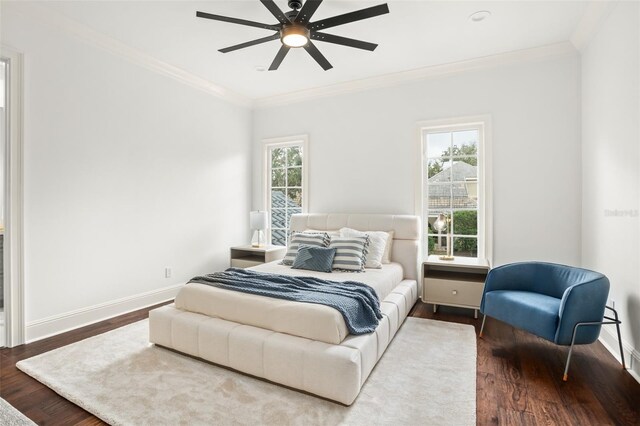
x,y
562,304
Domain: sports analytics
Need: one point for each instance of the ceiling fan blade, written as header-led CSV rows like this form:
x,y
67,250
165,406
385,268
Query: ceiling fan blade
x,y
344,41
307,11
237,21
319,57
275,11
250,43
358,15
279,57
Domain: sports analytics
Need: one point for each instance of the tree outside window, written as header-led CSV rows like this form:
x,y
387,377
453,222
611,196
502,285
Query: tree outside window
x,y
285,187
451,171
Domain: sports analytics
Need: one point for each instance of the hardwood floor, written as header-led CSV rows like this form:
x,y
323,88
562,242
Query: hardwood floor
x,y
519,380
35,400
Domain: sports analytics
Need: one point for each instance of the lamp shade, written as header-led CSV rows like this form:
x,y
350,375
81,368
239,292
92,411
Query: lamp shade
x,y
258,220
440,223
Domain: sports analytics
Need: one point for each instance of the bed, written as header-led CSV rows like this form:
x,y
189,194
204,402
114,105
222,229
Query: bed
x,y
301,345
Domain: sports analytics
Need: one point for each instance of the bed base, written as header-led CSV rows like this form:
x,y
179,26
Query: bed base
x,y
335,372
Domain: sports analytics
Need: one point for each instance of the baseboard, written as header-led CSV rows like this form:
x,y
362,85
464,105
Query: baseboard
x,y
57,324
631,356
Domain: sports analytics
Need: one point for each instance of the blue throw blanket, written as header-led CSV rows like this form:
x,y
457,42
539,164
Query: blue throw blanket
x,y
358,303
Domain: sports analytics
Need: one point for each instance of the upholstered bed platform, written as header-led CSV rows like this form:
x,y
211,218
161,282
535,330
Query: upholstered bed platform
x,y
335,371
313,321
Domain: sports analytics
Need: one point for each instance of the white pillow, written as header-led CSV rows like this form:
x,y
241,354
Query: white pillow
x,y
330,233
387,250
377,245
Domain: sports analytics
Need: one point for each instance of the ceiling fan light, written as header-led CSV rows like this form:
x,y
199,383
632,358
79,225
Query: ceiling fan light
x,y
295,40
294,36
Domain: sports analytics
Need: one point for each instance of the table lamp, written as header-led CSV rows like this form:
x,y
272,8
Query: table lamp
x,y
258,222
443,222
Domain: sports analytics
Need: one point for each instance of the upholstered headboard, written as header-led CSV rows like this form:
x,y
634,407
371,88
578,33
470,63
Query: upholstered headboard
x,y
406,237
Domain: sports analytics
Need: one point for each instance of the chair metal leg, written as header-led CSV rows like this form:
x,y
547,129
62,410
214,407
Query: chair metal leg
x,y
565,377
614,320
484,318
617,321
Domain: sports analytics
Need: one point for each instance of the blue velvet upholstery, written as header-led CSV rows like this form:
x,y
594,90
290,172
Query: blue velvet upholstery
x,y
518,308
547,299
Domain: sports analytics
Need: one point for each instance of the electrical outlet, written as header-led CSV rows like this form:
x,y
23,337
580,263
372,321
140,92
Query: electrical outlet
x,y
612,303
167,272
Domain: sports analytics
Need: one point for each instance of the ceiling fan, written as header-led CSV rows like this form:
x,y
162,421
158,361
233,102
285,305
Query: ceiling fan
x,y
294,29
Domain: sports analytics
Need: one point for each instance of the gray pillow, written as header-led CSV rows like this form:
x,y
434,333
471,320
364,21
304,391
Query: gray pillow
x,y
298,238
314,258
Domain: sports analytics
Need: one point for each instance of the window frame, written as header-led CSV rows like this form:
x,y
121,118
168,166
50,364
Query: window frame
x,y
284,142
485,215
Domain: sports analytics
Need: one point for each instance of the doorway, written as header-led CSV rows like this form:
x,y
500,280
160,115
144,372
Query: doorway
x,y
4,133
12,326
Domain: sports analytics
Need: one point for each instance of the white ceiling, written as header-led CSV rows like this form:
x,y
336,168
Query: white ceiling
x,y
414,34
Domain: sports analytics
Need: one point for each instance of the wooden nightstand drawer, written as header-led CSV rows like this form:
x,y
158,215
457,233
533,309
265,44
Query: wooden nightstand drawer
x,y
243,263
248,256
453,292
458,282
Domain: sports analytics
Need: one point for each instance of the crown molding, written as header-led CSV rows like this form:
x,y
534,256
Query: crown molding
x,y
595,13
593,17
124,51
387,80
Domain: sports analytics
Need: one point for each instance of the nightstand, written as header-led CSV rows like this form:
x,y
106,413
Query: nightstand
x,y
246,256
458,282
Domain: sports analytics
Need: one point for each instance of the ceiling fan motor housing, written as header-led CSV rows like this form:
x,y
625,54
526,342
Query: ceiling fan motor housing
x,y
291,15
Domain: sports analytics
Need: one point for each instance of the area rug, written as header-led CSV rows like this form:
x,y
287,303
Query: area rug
x,y
426,376
9,416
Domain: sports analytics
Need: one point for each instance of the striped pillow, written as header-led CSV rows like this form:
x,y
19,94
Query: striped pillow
x,y
297,238
351,253
377,245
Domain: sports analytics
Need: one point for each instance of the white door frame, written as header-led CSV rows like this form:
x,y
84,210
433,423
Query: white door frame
x,y
13,237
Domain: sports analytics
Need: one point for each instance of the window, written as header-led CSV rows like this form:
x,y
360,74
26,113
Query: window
x,y
454,184
285,184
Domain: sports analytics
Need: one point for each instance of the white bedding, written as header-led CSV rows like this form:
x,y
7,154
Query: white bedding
x,y
381,280
316,322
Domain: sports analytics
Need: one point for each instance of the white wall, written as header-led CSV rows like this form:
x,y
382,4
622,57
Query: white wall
x,y
363,147
126,172
611,164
